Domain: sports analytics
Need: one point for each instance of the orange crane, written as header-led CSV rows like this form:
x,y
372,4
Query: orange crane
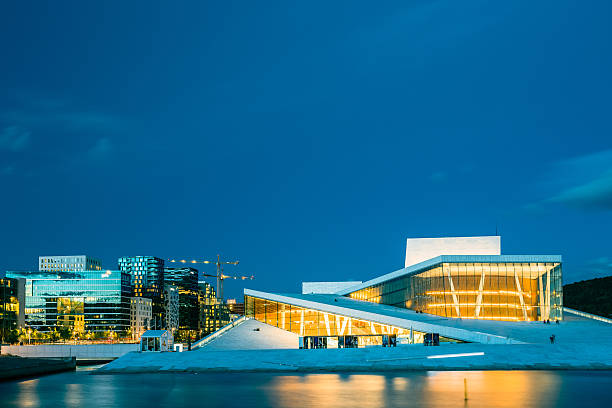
x,y
220,276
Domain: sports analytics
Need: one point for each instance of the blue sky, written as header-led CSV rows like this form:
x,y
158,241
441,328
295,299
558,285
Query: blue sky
x,y
309,139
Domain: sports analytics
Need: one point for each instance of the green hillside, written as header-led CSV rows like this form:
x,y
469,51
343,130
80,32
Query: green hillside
x,y
591,296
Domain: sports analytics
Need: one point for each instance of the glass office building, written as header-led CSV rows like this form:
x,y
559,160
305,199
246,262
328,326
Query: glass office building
x,y
83,301
69,263
147,273
514,288
186,280
12,305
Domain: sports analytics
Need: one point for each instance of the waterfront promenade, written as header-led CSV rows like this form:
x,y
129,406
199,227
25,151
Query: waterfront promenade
x,y
582,344
84,353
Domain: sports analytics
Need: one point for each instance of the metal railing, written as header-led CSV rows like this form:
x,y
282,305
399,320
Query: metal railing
x,y
220,332
587,315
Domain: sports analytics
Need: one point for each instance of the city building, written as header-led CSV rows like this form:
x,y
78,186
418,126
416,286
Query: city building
x,y
171,308
73,263
463,278
147,273
140,315
147,280
79,302
213,315
186,280
235,309
12,308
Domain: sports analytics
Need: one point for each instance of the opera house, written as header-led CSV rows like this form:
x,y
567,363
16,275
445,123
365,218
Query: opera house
x,y
460,278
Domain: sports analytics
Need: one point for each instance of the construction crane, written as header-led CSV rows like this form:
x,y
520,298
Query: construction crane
x,y
220,276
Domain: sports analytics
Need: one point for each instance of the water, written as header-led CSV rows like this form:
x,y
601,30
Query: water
x,y
363,390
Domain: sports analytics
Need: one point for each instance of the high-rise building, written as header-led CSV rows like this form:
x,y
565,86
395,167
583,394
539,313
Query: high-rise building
x,y
12,308
171,308
140,315
147,273
147,280
79,301
186,280
213,315
69,263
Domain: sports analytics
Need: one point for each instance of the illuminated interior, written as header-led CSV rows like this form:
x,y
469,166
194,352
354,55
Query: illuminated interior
x,y
310,322
490,291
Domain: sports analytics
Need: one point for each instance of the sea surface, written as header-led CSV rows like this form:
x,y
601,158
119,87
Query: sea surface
x,y
362,390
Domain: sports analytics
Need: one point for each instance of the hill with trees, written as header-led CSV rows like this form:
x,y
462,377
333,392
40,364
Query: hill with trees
x,y
591,296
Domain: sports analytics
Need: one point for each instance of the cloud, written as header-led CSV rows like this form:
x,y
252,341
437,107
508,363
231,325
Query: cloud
x,y
583,182
595,194
14,138
101,148
81,133
595,268
438,176
63,118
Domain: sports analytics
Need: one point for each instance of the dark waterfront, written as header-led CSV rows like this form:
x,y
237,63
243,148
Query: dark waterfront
x,y
364,390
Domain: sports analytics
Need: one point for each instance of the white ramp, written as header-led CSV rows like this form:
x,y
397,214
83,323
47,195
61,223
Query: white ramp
x,y
253,335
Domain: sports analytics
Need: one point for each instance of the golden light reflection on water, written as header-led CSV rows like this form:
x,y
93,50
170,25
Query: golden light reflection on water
x,y
431,389
364,390
328,390
505,389
28,395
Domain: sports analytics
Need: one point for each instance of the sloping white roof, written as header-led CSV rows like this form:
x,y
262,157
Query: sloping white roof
x,y
384,314
572,329
413,269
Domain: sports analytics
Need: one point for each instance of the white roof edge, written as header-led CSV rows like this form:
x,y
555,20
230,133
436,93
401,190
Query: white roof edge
x,y
451,258
446,331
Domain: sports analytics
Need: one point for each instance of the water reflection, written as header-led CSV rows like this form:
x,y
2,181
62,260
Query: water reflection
x,y
27,395
412,389
320,390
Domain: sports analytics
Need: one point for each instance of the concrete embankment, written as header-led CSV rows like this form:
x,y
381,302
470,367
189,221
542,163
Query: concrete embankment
x,y
447,357
84,353
12,367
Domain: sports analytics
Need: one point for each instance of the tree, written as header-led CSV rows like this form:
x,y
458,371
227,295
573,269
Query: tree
x,y
65,333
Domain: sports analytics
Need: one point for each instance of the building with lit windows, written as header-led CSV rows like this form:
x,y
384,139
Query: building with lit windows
x,y
171,308
185,279
80,301
213,315
451,279
147,273
140,315
69,263
12,307
147,280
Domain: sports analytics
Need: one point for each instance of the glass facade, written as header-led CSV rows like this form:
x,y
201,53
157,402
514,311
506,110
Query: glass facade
x,y
9,308
85,301
310,322
69,263
524,291
186,280
147,280
147,273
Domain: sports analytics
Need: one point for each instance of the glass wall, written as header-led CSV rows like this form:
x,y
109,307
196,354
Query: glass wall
x,y
9,307
494,291
310,322
85,301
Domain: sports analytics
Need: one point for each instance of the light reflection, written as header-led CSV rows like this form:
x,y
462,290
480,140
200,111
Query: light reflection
x,y
27,395
328,390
